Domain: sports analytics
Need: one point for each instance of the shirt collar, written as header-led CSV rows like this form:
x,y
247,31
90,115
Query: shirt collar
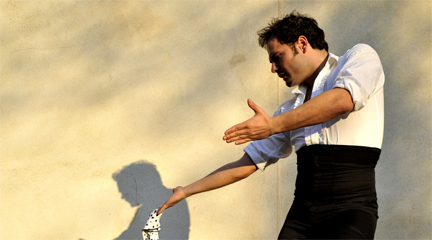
x,y
331,61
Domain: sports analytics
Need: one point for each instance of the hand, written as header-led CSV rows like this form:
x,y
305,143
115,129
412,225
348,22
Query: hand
x,y
177,196
257,127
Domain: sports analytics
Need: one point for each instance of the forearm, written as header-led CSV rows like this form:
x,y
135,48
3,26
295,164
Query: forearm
x,y
225,175
322,108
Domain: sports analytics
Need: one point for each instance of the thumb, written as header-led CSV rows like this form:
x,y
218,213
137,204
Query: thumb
x,y
253,106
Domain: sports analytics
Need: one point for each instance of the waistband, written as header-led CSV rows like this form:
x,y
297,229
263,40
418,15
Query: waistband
x,y
336,173
342,154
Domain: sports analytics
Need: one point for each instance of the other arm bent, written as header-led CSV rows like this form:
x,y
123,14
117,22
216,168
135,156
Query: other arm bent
x,y
324,107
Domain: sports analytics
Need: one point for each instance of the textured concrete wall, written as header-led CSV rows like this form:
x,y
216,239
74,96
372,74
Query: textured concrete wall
x,y
106,106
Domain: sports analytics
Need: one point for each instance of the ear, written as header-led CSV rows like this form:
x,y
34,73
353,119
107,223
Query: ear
x,y
302,44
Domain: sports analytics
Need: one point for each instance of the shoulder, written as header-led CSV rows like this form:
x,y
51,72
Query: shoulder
x,y
358,55
359,50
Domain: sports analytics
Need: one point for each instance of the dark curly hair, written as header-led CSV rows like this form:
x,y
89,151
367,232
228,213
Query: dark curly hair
x,y
288,29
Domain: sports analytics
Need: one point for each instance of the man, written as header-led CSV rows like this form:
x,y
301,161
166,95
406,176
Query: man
x,y
334,122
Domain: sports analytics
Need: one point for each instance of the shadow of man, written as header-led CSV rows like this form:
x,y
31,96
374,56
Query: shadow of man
x,y
140,184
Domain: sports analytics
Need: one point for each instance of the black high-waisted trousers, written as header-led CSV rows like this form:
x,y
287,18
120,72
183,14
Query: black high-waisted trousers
x,y
335,195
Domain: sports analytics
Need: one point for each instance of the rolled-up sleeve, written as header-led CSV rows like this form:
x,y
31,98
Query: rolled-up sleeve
x,y
362,74
269,150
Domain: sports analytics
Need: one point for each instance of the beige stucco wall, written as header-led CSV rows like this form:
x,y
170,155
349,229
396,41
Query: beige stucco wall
x,y
106,106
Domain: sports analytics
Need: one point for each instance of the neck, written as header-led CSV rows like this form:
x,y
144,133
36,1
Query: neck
x,y
320,62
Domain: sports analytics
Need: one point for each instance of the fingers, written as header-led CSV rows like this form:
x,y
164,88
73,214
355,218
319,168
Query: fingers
x,y
236,130
238,139
229,134
242,125
240,133
231,130
161,209
173,200
241,141
234,134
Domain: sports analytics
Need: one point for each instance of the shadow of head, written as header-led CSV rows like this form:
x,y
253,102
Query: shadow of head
x,y
140,184
137,180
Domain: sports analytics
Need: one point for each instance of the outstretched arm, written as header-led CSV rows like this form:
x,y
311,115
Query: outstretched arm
x,y
324,107
225,175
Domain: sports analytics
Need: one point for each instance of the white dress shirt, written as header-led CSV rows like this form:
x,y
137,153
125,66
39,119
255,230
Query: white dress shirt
x,y
360,72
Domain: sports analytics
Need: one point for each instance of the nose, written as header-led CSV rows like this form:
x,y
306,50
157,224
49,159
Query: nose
x,y
274,68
